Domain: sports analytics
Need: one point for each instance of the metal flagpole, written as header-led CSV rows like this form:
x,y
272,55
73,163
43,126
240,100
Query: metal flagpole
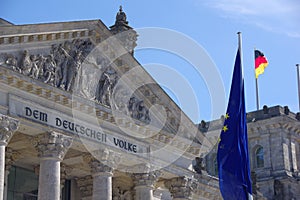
x,y
256,85
297,65
250,197
240,49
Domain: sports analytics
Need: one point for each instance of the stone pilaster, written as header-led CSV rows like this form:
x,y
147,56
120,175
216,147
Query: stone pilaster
x,y
10,157
8,126
102,164
181,188
51,147
144,184
64,173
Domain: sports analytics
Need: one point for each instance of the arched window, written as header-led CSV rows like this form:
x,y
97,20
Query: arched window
x,y
259,157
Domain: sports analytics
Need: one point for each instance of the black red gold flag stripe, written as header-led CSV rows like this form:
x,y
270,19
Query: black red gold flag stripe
x,y
260,63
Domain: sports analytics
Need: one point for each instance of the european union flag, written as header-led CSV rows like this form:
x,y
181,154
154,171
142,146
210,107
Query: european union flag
x,y
233,157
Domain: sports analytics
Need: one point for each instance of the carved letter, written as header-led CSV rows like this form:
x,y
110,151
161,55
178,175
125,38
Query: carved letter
x,y
28,111
58,122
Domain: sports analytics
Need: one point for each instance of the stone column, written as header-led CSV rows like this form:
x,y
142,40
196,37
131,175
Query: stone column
x,y
144,185
181,188
102,163
51,147
8,126
102,181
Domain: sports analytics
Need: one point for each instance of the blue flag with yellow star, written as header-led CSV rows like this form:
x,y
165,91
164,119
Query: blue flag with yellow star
x,y
233,157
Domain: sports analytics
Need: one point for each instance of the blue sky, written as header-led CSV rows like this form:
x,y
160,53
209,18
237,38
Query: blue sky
x,y
271,26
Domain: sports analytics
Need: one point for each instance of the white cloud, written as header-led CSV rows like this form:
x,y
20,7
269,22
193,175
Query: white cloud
x,y
281,16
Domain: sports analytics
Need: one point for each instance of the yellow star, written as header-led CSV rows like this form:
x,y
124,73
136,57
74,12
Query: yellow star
x,y
219,140
226,116
225,128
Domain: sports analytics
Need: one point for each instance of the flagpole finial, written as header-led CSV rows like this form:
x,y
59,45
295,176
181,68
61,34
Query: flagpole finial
x,y
240,40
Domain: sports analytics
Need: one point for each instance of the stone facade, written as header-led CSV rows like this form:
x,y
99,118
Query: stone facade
x,y
274,143
78,122
75,111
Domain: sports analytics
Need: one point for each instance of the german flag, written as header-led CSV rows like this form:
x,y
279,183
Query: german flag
x,y
260,63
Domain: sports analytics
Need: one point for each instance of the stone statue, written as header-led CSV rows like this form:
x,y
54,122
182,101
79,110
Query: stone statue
x,y
65,66
40,64
49,70
121,16
138,110
34,72
12,62
74,67
142,112
59,59
132,107
198,165
105,86
26,63
59,68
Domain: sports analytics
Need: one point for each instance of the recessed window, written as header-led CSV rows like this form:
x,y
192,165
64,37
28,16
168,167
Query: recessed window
x,y
259,157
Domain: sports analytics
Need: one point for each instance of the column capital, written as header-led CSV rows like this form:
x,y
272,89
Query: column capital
x,y
102,160
145,179
52,145
98,167
181,187
8,126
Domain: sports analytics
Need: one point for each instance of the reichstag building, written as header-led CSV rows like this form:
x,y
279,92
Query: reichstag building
x,y
80,119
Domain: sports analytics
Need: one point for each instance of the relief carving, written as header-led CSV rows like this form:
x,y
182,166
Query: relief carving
x,y
63,68
105,86
138,110
59,68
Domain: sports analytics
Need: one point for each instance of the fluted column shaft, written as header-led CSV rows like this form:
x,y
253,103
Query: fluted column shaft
x,y
102,186
8,126
49,179
51,147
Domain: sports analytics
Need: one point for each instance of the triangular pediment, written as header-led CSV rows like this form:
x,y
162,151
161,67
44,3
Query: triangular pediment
x,y
80,69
